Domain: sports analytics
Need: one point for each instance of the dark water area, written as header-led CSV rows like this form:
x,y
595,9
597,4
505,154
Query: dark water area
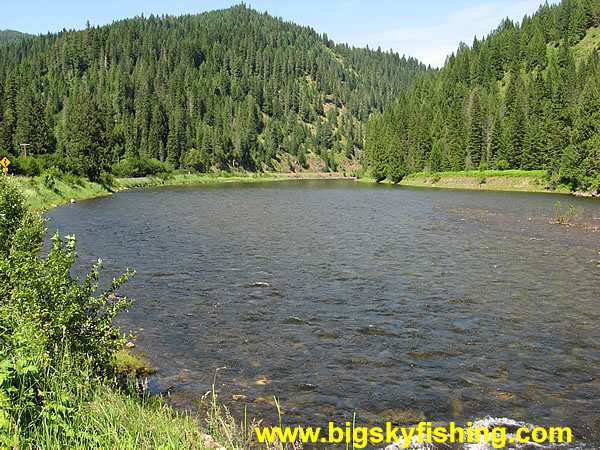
x,y
338,297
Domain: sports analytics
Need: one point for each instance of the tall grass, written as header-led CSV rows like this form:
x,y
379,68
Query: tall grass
x,y
55,405
43,191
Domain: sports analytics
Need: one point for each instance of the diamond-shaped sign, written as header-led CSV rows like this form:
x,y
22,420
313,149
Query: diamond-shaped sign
x,y
4,162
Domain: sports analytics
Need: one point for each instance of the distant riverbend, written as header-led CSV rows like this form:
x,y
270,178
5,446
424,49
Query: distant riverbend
x,y
336,297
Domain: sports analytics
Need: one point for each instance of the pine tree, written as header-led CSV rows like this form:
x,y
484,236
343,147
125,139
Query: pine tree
x,y
497,149
8,119
87,148
32,127
475,142
435,157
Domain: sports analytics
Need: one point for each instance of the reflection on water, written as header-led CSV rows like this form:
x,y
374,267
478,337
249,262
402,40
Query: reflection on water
x,y
338,297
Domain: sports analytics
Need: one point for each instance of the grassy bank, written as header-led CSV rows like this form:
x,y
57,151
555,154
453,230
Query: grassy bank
x,y
492,180
54,188
41,194
74,411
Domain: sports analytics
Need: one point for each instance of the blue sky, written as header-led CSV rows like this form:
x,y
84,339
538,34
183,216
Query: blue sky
x,y
427,30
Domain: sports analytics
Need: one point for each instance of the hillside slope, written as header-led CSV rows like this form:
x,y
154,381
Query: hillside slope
x,y
225,89
12,35
526,97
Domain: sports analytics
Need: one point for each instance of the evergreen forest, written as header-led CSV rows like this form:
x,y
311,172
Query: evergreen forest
x,y
238,90
525,97
225,90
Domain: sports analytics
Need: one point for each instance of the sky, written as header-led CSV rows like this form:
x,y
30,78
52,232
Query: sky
x,y
426,30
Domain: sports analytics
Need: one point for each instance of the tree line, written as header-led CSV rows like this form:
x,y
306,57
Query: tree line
x,y
526,97
226,89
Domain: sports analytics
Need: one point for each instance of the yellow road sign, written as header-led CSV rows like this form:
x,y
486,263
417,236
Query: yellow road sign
x,y
5,169
4,162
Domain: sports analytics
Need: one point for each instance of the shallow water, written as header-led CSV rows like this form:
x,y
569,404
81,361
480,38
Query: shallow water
x,y
337,297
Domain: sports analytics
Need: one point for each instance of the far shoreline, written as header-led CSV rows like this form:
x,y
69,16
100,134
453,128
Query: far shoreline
x,y
43,197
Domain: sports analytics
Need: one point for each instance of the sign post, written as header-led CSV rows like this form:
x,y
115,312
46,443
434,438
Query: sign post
x,y
4,162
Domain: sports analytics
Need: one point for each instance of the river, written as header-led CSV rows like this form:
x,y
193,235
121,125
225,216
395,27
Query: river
x,y
339,297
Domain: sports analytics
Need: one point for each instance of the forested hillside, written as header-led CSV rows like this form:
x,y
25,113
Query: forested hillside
x,y
11,35
226,89
526,97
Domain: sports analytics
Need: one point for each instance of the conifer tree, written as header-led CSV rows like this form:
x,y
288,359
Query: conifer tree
x,y
87,148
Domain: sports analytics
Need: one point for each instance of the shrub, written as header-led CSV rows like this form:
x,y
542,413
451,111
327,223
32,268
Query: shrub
x,y
139,167
196,160
51,176
106,180
72,180
53,160
568,216
502,165
30,166
19,229
41,303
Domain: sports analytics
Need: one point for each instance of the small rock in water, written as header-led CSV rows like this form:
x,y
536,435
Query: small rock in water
x,y
238,397
130,345
72,200
402,416
503,395
262,381
260,284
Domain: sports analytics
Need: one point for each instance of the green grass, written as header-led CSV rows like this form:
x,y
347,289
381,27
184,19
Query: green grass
x,y
41,195
43,191
589,44
79,412
130,365
495,180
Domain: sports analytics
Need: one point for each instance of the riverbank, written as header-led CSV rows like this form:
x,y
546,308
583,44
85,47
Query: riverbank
x,y
50,190
490,180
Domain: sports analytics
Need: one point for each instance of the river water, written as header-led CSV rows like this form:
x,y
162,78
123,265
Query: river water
x,y
338,297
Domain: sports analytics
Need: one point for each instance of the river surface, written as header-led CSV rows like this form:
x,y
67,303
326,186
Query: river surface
x,y
338,297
